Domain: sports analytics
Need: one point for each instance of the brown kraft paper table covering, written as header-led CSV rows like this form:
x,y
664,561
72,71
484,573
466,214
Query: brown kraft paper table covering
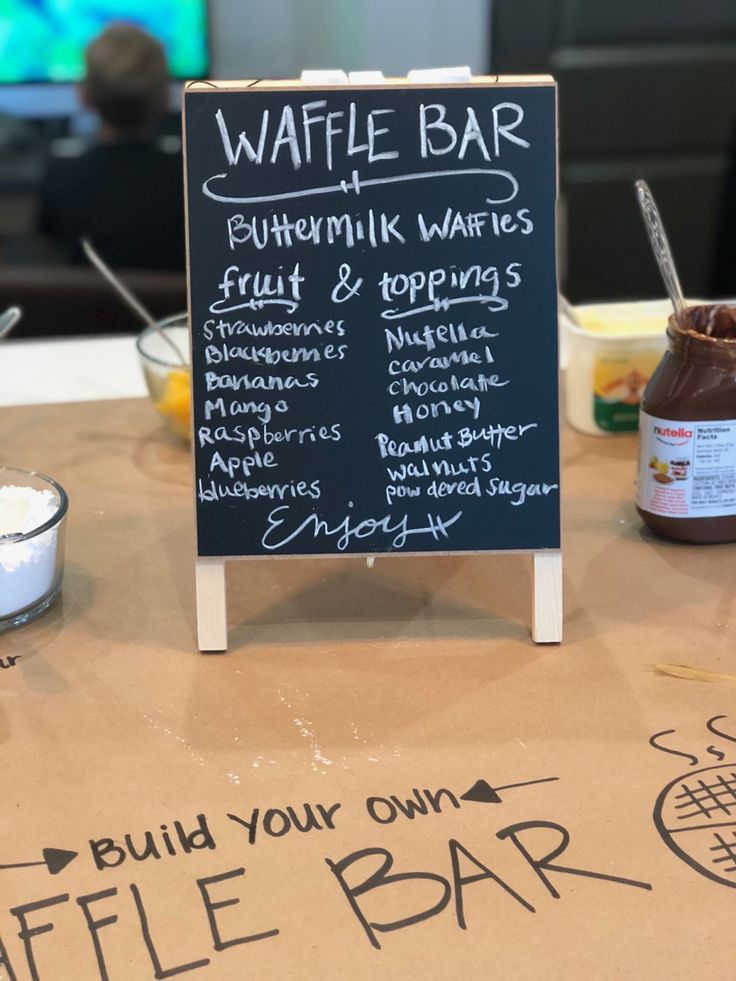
x,y
354,711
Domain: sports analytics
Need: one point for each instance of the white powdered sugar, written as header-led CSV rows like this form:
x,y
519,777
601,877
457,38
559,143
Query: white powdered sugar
x,y
26,567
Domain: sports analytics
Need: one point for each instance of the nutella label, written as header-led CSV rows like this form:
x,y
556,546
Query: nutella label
x,y
687,469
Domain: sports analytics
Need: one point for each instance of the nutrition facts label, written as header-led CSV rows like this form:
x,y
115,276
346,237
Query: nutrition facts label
x,y
687,469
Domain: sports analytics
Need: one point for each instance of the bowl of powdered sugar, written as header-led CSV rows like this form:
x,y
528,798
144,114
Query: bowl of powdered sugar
x,y
32,526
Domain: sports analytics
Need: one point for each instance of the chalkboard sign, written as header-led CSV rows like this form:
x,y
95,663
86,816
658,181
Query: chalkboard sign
x,y
373,310
373,315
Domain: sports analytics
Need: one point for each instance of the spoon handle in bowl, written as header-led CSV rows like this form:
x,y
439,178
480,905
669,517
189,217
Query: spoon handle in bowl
x,y
132,301
8,320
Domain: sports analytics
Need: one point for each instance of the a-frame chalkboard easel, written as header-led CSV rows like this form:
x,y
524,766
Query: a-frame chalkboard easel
x,y
372,291
546,605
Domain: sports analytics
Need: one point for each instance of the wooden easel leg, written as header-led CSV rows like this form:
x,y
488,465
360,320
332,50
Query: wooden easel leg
x,y
211,604
547,599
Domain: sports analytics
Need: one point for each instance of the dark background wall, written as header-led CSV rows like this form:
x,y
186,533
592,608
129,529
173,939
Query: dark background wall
x,y
646,89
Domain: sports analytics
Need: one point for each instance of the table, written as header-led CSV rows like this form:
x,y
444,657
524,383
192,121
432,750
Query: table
x,y
73,369
363,717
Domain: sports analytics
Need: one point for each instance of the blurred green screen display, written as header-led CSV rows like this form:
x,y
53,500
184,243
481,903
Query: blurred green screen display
x,y
44,40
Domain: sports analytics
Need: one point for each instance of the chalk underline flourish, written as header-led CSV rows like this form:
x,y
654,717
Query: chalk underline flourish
x,y
218,306
494,303
356,184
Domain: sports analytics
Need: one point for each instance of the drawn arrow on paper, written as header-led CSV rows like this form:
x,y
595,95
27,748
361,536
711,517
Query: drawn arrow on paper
x,y
483,793
55,859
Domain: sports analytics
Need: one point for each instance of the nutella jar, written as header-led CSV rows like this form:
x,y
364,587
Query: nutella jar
x,y
687,445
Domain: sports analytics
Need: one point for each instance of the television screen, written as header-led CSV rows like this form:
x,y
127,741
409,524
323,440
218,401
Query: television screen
x,y
44,40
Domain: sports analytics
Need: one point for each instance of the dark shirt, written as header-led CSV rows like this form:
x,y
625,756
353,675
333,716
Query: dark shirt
x,y
127,198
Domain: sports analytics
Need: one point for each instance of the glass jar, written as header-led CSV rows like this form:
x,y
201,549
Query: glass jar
x,y
31,558
687,445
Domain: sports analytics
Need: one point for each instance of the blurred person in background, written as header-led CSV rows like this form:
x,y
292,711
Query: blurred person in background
x,y
124,193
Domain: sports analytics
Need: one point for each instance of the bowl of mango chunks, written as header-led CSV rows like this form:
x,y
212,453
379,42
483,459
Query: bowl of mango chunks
x,y
163,351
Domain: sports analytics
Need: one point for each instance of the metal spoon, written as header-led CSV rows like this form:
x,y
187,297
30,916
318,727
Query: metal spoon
x,y
8,320
661,249
132,301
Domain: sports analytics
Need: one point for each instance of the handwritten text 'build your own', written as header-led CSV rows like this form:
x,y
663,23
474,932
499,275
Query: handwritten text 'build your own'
x,y
374,894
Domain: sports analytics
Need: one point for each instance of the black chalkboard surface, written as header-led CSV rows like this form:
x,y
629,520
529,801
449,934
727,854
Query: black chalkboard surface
x,y
373,311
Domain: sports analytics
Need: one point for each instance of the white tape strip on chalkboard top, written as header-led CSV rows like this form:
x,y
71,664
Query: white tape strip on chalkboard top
x,y
460,73
366,78
324,76
336,76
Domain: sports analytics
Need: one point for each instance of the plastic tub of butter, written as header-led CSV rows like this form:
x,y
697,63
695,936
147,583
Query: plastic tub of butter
x,y
610,358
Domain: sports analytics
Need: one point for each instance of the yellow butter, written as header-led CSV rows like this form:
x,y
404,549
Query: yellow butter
x,y
622,325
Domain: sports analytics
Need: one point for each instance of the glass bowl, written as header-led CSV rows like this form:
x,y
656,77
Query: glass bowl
x,y
31,558
167,379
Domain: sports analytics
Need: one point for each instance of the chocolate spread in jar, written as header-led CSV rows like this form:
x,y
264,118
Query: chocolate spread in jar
x,y
687,443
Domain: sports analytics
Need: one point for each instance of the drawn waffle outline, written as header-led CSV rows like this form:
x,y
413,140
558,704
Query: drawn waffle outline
x,y
706,799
